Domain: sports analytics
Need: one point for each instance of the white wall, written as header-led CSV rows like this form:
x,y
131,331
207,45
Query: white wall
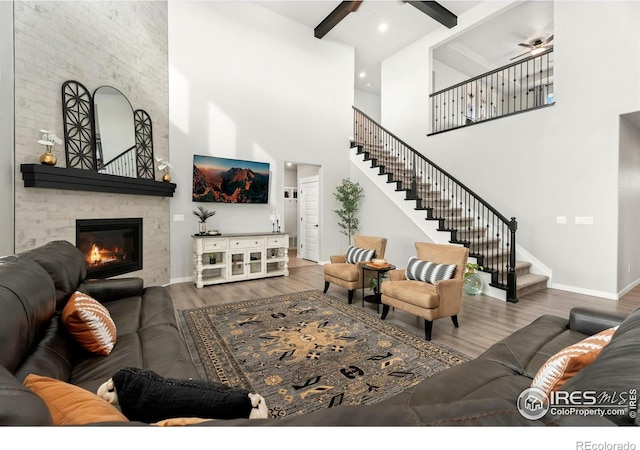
x,y
6,128
628,201
248,83
380,216
559,161
445,76
368,103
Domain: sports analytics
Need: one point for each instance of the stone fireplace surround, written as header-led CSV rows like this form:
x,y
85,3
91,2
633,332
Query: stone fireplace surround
x,y
44,215
120,44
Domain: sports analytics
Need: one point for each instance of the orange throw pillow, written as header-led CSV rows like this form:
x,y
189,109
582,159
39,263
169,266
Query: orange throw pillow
x,y
90,323
570,360
72,405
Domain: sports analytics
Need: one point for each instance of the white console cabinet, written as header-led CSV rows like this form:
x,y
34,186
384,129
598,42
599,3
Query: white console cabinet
x,y
236,257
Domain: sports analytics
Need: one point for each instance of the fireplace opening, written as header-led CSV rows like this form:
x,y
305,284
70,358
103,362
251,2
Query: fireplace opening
x,y
110,246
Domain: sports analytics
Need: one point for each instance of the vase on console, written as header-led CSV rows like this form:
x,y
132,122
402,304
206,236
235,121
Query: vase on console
x,y
203,214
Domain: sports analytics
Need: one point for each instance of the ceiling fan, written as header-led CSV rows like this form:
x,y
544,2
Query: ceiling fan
x,y
536,47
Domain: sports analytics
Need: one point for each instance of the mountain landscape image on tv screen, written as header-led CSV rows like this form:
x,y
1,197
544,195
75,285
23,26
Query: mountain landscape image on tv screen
x,y
226,180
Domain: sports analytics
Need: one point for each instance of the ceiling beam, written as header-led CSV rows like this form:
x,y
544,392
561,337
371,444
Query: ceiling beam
x,y
438,12
334,18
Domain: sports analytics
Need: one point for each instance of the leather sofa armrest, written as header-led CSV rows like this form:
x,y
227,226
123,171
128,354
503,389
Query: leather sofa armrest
x,y
591,321
338,259
474,412
19,405
397,275
113,289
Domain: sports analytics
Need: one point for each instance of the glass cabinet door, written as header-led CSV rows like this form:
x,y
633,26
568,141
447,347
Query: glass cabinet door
x,y
255,261
237,264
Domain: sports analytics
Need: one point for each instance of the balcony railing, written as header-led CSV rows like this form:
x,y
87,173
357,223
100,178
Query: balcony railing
x,y
522,86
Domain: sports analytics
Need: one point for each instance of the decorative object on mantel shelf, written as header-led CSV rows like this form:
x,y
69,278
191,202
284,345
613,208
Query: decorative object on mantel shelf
x,y
49,139
85,148
203,214
164,166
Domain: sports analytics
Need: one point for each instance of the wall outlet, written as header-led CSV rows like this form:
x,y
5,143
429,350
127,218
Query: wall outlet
x,y
561,219
584,220
178,217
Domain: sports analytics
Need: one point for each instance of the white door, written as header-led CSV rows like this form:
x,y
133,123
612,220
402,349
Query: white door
x,y
309,198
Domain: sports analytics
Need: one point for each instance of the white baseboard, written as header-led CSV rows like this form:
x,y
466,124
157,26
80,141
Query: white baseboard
x,y
593,293
627,289
181,280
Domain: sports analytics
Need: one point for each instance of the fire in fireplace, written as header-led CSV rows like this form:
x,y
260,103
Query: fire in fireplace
x,y
111,246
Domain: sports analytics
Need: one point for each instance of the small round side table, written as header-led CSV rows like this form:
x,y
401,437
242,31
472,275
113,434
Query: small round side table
x,y
377,297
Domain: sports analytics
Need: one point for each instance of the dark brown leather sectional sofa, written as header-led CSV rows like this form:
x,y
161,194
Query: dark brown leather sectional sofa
x,y
35,285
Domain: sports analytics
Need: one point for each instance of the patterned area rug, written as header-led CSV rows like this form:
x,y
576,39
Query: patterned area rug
x,y
308,350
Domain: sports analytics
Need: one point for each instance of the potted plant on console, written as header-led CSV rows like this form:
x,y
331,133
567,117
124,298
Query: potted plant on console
x,y
203,214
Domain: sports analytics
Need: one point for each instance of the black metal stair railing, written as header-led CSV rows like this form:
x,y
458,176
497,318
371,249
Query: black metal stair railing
x,y
524,85
470,220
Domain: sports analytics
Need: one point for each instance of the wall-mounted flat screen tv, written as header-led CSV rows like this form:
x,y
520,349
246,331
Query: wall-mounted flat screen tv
x,y
226,180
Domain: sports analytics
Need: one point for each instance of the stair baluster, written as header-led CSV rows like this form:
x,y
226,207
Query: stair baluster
x,y
469,219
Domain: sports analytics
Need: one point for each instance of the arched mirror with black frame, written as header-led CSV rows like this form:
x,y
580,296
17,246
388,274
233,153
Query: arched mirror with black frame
x,y
103,133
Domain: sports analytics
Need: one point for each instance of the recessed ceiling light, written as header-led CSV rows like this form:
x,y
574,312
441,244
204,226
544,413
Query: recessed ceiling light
x,y
362,74
368,84
383,27
288,164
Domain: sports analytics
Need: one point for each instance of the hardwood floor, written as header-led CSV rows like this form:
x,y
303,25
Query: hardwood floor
x,y
483,320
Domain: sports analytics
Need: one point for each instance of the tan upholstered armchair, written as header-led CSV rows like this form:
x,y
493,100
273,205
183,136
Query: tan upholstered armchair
x,y
348,275
426,300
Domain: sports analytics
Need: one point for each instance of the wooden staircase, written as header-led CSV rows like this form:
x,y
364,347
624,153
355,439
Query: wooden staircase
x,y
485,245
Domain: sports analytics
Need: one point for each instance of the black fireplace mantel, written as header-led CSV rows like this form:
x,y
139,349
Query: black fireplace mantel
x,y
52,177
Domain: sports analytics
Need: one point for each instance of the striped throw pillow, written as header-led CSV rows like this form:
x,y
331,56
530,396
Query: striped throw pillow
x,y
570,360
427,271
90,323
357,254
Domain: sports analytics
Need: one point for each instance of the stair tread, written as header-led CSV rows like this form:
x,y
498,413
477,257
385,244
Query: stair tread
x,y
432,200
530,279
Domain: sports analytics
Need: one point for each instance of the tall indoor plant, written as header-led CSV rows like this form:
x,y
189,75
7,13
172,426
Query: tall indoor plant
x,y
349,195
